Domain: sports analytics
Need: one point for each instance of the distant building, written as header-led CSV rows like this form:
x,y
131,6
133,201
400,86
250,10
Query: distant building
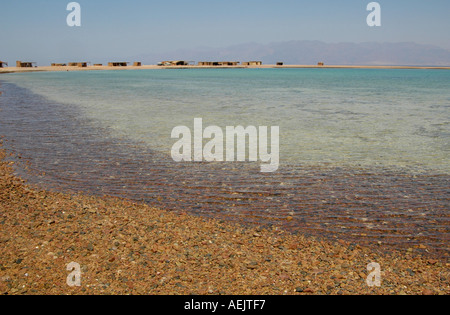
x,y
205,63
218,63
280,64
172,63
252,63
321,64
228,63
78,64
137,64
98,65
21,64
3,64
59,65
118,64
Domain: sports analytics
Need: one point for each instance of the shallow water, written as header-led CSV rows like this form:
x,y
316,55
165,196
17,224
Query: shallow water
x,y
364,153
386,118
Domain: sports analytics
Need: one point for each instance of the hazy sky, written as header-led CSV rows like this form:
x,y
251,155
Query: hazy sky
x,y
36,30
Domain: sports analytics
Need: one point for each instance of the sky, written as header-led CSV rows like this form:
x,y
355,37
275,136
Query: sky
x,y
36,30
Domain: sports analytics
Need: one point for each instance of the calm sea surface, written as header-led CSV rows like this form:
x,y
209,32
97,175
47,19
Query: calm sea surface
x,y
364,154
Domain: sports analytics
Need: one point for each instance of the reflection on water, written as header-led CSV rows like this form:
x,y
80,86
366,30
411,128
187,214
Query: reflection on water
x,y
364,205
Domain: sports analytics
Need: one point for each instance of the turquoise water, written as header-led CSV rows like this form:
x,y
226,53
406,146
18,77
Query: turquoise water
x,y
364,154
386,119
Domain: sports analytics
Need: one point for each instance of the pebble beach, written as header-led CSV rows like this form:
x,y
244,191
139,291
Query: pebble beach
x,y
124,247
227,159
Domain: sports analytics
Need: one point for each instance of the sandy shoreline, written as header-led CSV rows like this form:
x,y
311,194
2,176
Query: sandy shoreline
x,y
125,247
154,67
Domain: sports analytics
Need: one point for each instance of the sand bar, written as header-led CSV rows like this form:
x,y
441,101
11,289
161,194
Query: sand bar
x,y
154,67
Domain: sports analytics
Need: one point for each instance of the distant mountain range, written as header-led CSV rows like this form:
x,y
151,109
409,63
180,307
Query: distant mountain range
x,y
312,52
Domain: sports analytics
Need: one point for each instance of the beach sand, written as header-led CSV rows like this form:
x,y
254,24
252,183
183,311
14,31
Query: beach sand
x,y
125,247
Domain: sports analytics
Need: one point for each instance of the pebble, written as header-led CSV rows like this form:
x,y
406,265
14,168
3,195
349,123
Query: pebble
x,y
427,292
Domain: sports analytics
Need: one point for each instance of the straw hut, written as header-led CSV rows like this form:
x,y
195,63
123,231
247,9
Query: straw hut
x,y
59,65
179,63
28,64
321,64
280,64
173,63
3,64
218,63
229,63
118,64
137,64
78,64
252,63
98,65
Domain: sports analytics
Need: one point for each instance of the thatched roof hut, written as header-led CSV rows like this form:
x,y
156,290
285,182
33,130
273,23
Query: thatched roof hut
x,y
229,63
179,63
78,64
137,64
218,63
172,63
118,64
27,64
252,63
3,64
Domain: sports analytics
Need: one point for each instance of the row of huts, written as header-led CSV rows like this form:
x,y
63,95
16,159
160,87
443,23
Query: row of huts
x,y
21,64
29,64
208,63
85,64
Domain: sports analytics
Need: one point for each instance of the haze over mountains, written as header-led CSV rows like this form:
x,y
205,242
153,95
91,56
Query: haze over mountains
x,y
312,52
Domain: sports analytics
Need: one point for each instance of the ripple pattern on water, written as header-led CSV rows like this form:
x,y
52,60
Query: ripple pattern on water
x,y
59,148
